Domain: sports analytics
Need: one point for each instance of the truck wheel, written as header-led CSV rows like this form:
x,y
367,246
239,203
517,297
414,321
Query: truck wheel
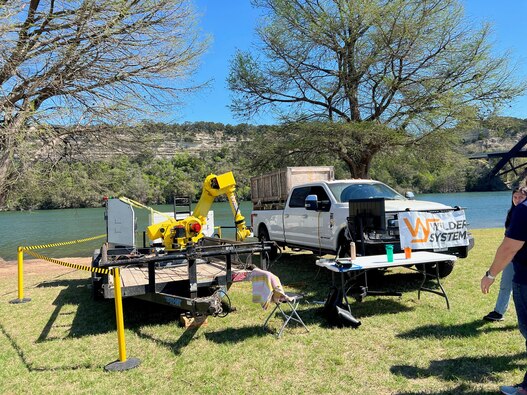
x,y
344,249
445,268
263,235
343,246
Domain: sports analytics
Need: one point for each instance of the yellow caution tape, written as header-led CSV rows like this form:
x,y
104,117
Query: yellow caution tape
x,y
64,243
99,270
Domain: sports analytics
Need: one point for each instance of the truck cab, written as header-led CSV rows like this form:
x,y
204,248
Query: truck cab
x,y
319,216
379,228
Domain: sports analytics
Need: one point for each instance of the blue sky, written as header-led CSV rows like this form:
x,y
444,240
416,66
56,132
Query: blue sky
x,y
231,24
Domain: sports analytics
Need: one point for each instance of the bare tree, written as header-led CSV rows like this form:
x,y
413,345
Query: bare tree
x,y
85,62
411,65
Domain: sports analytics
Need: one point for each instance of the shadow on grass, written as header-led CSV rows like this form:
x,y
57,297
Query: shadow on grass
x,y
369,308
29,366
98,317
471,369
461,389
469,329
177,346
90,317
236,335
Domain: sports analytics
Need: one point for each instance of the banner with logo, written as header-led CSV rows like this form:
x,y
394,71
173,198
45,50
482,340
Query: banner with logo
x,y
438,231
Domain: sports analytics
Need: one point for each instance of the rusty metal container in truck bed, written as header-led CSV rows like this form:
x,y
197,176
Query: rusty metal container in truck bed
x,y
273,188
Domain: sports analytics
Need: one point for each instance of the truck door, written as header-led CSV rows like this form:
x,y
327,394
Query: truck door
x,y
303,226
296,217
322,236
325,220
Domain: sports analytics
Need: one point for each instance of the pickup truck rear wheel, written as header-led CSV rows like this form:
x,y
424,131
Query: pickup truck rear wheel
x,y
444,268
263,235
343,247
344,250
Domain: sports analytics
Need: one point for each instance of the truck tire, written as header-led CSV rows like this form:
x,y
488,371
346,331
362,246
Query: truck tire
x,y
444,268
343,246
343,250
263,235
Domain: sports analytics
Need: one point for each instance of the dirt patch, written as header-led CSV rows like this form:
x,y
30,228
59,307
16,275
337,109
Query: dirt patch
x,y
36,266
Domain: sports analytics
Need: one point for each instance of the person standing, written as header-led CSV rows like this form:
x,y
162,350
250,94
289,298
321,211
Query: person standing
x,y
513,248
504,295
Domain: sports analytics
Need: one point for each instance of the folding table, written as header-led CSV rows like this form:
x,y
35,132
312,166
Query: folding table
x,y
362,264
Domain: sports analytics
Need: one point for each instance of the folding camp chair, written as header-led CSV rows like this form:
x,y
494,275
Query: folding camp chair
x,y
292,301
267,289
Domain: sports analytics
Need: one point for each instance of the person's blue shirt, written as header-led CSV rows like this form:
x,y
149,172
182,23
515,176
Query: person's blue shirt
x,y
517,230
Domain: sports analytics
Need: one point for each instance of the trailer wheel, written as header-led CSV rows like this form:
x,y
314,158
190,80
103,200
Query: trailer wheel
x,y
96,279
263,235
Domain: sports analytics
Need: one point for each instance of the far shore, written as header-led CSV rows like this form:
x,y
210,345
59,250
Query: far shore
x,y
36,266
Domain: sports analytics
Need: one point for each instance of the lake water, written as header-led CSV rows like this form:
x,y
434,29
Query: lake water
x,y
483,210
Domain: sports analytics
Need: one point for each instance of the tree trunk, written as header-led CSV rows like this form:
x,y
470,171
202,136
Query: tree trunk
x,y
5,176
358,169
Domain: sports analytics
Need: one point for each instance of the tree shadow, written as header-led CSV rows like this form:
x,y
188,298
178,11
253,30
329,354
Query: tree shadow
x,y
464,389
30,366
468,329
177,346
470,369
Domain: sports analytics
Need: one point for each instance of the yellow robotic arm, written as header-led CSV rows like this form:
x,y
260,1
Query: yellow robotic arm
x,y
215,186
176,234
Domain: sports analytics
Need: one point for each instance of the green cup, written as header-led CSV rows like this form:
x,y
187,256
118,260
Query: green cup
x,y
389,252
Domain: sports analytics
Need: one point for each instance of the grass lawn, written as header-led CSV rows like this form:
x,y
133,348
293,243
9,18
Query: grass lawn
x,y
61,340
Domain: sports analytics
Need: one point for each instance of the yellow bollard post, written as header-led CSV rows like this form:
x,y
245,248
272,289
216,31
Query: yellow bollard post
x,y
20,259
122,363
119,315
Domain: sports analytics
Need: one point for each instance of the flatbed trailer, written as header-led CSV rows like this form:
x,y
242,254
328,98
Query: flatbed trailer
x,y
194,280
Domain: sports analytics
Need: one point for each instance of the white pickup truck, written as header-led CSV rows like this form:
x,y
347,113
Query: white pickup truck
x,y
315,217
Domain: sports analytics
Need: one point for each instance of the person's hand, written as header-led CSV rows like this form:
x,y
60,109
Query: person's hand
x,y
486,282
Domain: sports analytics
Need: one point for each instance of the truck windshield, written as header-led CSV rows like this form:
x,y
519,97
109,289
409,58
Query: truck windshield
x,y
345,192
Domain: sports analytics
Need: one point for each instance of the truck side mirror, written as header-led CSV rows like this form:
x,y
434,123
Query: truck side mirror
x,y
311,202
409,195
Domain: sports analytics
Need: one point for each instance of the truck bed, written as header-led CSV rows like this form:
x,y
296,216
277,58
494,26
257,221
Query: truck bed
x,y
271,190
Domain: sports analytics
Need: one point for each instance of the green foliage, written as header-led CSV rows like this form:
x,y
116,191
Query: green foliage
x,y
434,163
143,178
431,165
352,144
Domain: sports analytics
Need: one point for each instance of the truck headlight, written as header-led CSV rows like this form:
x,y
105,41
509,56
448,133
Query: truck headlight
x,y
393,223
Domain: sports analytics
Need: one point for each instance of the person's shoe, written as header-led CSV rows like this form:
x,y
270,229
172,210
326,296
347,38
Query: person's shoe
x,y
509,389
512,390
493,316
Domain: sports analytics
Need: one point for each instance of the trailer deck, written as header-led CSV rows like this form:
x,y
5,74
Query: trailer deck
x,y
195,279
135,280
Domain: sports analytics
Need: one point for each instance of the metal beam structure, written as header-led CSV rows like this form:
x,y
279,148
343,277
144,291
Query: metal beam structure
x,y
507,158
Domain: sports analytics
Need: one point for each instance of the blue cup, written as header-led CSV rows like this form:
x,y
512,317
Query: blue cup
x,y
389,252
